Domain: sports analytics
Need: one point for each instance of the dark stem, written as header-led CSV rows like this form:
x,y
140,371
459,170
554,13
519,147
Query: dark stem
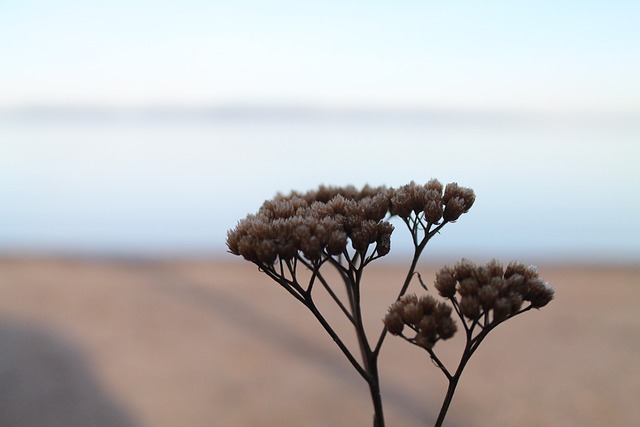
x,y
370,358
374,388
314,310
470,347
414,262
351,273
453,382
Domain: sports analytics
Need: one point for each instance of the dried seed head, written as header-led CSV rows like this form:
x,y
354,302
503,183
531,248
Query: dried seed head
x,y
411,313
539,293
486,288
457,200
515,267
487,295
433,211
468,286
453,209
495,268
431,320
393,322
383,238
464,268
482,275
434,185
402,200
470,307
314,225
501,309
445,282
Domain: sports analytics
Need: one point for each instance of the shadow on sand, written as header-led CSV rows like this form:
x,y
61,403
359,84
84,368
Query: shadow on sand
x,y
45,382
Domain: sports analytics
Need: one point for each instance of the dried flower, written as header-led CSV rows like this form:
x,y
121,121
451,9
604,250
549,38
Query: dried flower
x,y
314,225
446,282
393,322
490,289
429,319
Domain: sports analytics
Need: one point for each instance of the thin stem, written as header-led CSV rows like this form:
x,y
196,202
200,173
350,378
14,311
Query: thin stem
x,y
335,298
292,287
470,348
374,389
352,276
314,310
439,363
453,382
414,262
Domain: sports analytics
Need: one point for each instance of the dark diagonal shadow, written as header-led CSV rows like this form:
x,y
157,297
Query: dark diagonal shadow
x,y
46,382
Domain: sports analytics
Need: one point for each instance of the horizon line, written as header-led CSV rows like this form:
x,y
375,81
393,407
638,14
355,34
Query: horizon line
x,y
301,111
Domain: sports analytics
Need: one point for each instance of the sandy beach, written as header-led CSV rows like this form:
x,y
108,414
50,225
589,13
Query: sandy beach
x,y
209,343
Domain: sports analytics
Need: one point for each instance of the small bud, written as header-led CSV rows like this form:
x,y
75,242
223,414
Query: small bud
x,y
487,296
433,211
470,307
393,322
469,198
539,293
446,283
411,313
464,269
501,310
447,328
514,267
453,209
434,185
468,286
495,268
337,242
383,239
516,283
424,342
482,275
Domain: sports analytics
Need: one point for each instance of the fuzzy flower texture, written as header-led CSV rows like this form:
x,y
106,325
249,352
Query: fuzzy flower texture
x,y
486,295
320,223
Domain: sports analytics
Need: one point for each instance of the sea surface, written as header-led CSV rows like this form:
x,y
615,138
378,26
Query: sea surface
x,y
172,182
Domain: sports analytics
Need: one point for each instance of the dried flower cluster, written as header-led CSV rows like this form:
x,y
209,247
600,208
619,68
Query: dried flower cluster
x,y
429,319
482,296
316,224
492,289
344,228
320,223
430,200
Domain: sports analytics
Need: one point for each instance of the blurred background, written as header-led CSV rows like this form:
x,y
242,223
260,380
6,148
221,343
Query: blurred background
x,y
134,134
149,128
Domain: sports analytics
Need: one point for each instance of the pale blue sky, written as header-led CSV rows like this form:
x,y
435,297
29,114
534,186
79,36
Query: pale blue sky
x,y
535,105
504,55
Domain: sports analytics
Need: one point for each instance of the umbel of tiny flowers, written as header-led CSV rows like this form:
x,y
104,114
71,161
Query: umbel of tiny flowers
x,y
345,229
482,298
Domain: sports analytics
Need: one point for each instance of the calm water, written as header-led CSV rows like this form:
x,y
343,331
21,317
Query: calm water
x,y
173,184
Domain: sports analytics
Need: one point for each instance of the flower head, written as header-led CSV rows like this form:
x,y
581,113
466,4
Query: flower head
x,y
492,289
314,225
429,319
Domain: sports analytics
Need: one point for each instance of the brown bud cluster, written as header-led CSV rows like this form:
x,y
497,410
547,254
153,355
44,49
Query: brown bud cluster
x,y
491,288
322,222
430,200
314,224
429,319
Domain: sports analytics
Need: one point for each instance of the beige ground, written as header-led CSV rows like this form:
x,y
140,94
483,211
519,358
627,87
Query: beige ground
x,y
204,343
